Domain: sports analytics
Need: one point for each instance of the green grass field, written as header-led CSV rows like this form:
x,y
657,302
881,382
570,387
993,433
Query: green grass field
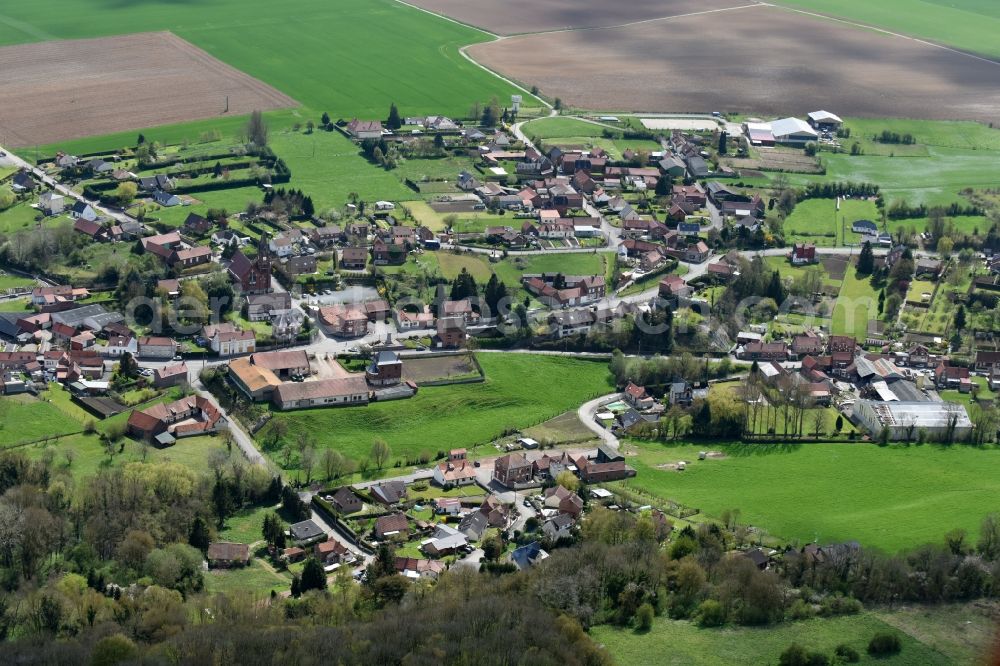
x,y
313,51
520,390
819,222
969,25
561,128
24,418
856,305
890,498
8,281
672,642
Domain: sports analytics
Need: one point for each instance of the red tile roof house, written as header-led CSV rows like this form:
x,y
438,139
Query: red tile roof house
x,y
951,376
594,472
456,471
637,397
347,321
566,501
193,415
807,344
673,286
331,552
803,253
763,351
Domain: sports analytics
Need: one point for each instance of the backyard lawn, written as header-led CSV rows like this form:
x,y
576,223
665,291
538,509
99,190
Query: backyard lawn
x,y
518,393
25,418
891,498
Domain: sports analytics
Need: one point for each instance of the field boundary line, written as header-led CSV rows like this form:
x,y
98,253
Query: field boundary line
x,y
884,31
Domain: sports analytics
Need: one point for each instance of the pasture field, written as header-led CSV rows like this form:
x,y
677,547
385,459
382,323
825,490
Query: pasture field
x,y
559,127
517,393
511,269
563,429
21,217
25,418
874,76
968,25
891,498
676,642
8,281
315,54
328,166
819,222
258,579
67,89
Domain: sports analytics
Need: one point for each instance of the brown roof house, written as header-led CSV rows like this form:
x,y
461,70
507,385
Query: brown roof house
x,y
511,470
164,423
222,554
394,526
345,501
336,392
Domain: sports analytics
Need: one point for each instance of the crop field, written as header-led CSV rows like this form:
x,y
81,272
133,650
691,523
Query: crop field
x,y
313,52
67,89
874,76
818,221
517,393
890,498
526,16
677,642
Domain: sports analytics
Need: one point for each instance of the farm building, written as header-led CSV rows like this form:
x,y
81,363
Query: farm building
x,y
793,131
759,134
824,121
904,420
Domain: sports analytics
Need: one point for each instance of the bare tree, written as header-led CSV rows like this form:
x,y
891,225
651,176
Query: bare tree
x,y
307,461
818,421
256,129
380,453
332,463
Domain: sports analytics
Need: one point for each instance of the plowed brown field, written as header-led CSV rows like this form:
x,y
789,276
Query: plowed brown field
x,y
512,17
760,60
53,91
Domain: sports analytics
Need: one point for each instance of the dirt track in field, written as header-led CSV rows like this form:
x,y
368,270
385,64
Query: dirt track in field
x,y
54,91
512,17
759,60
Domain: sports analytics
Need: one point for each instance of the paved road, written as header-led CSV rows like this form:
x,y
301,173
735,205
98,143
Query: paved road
x,y
243,440
62,189
586,414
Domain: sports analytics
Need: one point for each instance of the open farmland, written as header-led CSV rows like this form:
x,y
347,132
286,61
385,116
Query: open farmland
x,y
68,89
808,62
329,55
891,498
524,16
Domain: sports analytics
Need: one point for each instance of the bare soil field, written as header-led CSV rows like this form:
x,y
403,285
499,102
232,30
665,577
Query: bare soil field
x,y
782,63
777,159
439,368
835,266
53,91
512,17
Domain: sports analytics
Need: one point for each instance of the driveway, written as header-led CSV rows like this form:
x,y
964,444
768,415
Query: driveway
x,y
586,414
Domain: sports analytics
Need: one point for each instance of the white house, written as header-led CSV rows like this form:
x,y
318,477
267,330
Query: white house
x,y
51,203
281,246
119,344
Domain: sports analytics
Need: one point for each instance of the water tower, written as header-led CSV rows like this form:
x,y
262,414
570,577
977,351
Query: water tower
x,y
515,103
